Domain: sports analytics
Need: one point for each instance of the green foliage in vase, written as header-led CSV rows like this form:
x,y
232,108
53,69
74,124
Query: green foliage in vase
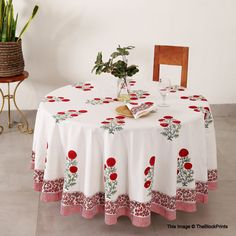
x,y
118,68
8,22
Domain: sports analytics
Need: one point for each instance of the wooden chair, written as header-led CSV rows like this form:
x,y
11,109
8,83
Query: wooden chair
x,y
171,55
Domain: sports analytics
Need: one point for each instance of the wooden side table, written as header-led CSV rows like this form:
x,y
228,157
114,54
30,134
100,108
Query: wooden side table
x,y
23,126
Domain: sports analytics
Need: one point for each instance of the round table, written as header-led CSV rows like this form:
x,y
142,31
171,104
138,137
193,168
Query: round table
x,y
94,160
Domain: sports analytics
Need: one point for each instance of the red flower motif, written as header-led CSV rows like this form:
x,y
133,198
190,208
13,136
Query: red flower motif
x,y
133,98
192,99
177,121
152,160
87,84
120,117
183,152
61,113
78,86
97,99
105,166
120,122
72,154
49,96
184,97
164,124
161,120
73,169
149,103
142,97
196,96
87,89
51,100
61,97
65,100
74,115
83,111
105,122
196,110
109,118
168,117
91,87
192,107
147,170
188,166
180,89
207,108
134,103
204,99
106,102
146,94
108,98
147,184
71,110
113,176
111,161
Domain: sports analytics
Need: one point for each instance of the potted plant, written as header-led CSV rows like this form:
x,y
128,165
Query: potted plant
x,y
11,56
118,68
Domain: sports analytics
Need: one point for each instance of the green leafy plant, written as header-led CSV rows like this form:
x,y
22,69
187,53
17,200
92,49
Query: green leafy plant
x,y
118,68
8,22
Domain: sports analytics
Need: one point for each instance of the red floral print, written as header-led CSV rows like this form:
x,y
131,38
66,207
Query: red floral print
x,y
188,166
152,160
110,178
147,184
52,99
147,170
113,176
83,86
73,169
184,169
111,162
183,152
171,127
72,154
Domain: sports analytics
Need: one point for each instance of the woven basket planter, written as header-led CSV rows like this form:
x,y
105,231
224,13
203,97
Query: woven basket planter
x,y
11,59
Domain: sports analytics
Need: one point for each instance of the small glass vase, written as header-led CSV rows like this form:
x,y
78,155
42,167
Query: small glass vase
x,y
123,90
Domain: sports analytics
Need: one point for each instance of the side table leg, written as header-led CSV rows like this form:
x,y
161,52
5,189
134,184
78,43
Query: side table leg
x,y
3,101
10,125
22,126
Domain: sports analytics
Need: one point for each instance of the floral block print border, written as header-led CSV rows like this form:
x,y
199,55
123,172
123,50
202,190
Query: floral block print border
x,y
171,127
110,177
71,170
52,99
64,115
206,112
138,94
195,98
113,124
100,101
83,86
184,168
149,173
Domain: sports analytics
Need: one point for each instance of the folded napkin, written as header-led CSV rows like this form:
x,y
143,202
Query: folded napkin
x,y
141,109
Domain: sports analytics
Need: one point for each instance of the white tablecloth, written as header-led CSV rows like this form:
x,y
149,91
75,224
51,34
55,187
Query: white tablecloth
x,y
94,160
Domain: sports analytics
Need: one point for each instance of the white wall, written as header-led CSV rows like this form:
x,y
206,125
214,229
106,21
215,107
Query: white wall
x,y
61,44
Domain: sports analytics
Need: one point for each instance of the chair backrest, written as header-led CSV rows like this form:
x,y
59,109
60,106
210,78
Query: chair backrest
x,y
171,55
